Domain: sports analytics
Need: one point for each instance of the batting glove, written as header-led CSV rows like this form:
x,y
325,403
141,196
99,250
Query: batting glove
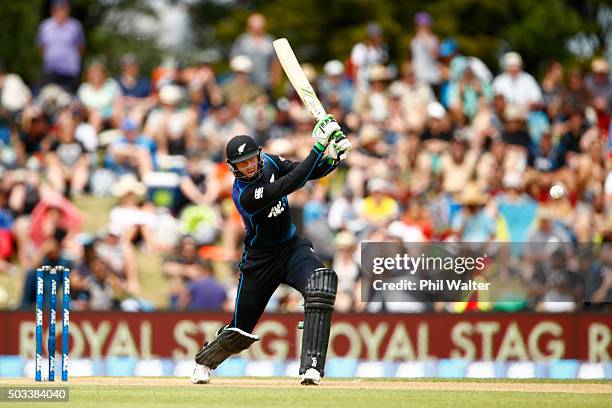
x,y
340,147
324,130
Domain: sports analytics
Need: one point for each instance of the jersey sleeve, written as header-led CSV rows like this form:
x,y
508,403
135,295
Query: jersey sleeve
x,y
259,196
325,166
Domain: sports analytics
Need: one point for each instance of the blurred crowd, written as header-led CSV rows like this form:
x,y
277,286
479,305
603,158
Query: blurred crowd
x,y
444,149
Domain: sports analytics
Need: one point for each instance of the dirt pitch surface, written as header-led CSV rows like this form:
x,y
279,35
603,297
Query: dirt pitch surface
x,y
251,392
346,384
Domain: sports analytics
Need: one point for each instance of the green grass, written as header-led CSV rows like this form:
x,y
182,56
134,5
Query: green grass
x,y
129,396
96,210
311,398
493,380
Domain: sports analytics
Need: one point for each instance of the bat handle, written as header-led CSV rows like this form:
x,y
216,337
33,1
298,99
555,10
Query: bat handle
x,y
320,116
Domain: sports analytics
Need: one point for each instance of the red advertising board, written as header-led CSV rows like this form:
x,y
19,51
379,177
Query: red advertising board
x,y
512,336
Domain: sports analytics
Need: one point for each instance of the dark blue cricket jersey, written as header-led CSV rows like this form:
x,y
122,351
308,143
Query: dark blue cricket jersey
x,y
263,203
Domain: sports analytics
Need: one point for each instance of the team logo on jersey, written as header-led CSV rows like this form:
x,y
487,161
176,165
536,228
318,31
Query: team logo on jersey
x,y
258,193
276,210
272,178
241,148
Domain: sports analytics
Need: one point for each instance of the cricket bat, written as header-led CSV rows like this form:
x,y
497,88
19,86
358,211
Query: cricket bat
x,y
300,83
298,79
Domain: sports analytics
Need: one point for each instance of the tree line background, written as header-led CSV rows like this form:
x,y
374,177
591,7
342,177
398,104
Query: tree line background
x,y
319,30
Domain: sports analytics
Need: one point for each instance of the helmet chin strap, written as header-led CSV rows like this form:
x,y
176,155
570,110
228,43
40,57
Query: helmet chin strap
x,y
242,177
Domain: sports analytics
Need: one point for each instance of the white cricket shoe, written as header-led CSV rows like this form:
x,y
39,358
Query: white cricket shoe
x,y
201,374
311,377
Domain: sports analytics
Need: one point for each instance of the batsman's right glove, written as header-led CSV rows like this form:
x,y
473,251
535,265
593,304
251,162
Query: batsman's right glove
x,y
339,147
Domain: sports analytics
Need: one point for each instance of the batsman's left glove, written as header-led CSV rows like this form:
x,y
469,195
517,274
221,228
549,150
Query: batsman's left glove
x,y
325,130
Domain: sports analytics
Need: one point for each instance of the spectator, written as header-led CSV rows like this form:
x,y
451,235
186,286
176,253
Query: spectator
x,y
496,121
600,286
6,235
449,52
591,169
365,161
473,223
240,89
379,208
172,126
68,160
314,221
62,42
414,95
600,86
546,157
257,45
517,208
598,83
84,132
365,55
517,86
53,100
344,213
515,132
99,95
493,165
136,89
198,184
15,94
114,250
132,152
102,286
33,137
203,292
334,88
181,267
415,164
258,116
590,223
22,187
457,165
418,215
437,129
216,129
576,97
396,124
545,237
424,50
552,89
53,212
133,86
347,268
282,125
560,292
466,92
372,104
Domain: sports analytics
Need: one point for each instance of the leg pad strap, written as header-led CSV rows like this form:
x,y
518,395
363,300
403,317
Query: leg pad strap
x,y
228,341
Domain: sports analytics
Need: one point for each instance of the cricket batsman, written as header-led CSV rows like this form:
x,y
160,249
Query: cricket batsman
x,y
273,253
